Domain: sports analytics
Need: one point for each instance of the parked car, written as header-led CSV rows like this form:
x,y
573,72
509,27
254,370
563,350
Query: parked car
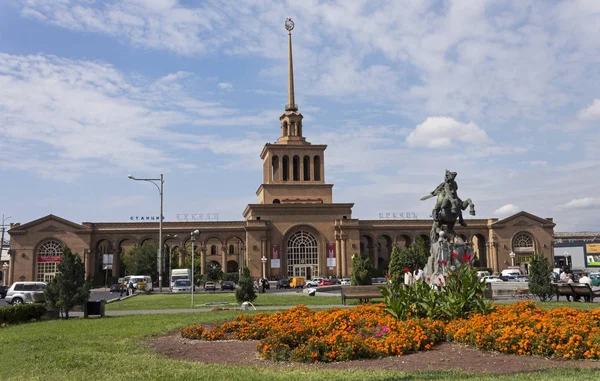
x,y
325,282
26,292
182,285
491,279
227,285
336,281
314,282
297,282
595,277
3,291
210,286
282,283
378,280
346,282
115,288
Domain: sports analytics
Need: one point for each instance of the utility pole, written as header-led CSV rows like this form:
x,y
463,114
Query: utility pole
x,y
3,227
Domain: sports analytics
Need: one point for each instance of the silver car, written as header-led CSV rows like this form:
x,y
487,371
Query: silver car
x,y
26,292
182,285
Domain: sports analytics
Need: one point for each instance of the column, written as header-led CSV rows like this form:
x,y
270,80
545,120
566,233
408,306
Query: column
x,y
181,254
343,255
202,260
301,168
116,261
322,168
338,254
224,258
376,256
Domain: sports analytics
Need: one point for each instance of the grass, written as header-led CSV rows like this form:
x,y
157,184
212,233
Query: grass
x,y
182,301
115,348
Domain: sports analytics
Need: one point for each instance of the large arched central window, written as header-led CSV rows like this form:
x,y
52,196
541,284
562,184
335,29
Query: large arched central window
x,y
523,243
49,254
302,254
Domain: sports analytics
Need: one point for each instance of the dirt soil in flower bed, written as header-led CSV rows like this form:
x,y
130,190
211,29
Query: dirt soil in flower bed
x,y
443,356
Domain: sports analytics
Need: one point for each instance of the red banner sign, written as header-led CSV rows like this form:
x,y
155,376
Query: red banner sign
x,y
46,259
275,251
331,250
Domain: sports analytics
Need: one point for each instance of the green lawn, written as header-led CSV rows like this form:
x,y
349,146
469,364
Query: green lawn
x,y
114,349
179,301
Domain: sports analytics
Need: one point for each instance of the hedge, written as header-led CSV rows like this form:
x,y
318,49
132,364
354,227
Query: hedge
x,y
21,313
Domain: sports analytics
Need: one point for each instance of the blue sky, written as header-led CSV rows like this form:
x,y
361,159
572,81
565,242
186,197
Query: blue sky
x,y
506,94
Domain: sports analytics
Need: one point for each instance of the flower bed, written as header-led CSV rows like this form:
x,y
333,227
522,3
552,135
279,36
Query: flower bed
x,y
526,329
303,335
367,331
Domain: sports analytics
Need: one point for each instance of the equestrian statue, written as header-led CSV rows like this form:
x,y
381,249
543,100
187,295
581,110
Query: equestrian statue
x,y
448,207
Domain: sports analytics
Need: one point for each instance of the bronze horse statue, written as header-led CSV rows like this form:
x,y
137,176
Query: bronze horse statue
x,y
448,207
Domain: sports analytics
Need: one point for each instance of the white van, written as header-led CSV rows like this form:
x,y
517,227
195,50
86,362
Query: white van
x,y
511,272
141,282
177,274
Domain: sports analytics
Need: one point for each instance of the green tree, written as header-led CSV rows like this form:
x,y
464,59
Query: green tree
x,y
396,270
414,257
142,260
362,271
68,288
245,290
540,273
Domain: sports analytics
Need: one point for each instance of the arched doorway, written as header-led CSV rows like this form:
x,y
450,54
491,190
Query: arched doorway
x,y
403,241
384,250
303,255
479,247
232,266
523,247
48,256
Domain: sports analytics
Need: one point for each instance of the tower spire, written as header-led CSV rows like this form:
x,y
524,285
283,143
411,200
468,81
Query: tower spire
x,y
291,106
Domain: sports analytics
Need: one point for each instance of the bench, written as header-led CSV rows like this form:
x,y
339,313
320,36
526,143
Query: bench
x,y
362,293
564,289
584,290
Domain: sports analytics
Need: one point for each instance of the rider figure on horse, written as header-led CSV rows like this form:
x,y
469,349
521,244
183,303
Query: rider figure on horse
x,y
447,196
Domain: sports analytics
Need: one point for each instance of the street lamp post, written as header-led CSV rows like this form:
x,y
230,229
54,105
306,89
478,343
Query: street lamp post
x,y
160,221
194,234
512,258
5,273
567,255
264,266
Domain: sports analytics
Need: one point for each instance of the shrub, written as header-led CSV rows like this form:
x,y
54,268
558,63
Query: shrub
x,y
245,290
462,295
68,288
21,313
540,276
362,271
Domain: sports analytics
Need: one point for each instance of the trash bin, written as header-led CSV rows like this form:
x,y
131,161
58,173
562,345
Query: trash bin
x,y
488,293
95,307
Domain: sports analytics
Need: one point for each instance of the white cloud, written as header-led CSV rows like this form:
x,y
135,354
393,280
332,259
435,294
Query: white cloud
x,y
538,163
226,86
507,210
85,116
582,203
591,112
444,132
565,146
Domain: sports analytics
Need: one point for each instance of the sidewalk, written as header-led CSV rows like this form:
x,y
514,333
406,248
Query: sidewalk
x,y
205,309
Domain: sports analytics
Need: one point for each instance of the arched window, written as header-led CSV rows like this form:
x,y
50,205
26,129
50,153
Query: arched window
x,y
276,201
213,250
302,255
523,243
317,166
231,249
296,166
286,168
306,168
275,168
48,256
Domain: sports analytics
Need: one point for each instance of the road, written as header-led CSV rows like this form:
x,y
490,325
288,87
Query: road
x,y
96,294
